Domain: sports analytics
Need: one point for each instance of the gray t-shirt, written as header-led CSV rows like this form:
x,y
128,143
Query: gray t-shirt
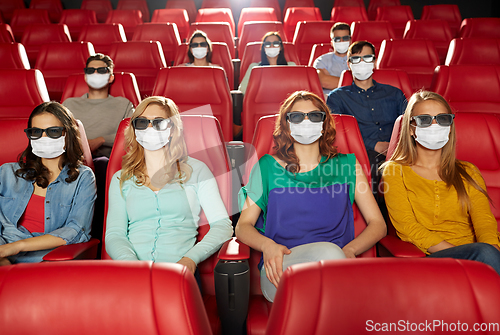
x,y
333,64
100,117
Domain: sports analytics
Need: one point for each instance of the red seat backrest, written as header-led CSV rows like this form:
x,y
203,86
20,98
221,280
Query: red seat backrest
x,y
269,86
450,13
179,16
252,55
318,50
143,59
6,35
13,56
8,7
100,7
75,19
207,86
397,16
35,35
216,32
24,17
473,51
216,4
418,58
296,14
394,297
165,33
255,31
188,5
488,27
13,137
349,3
481,94
309,33
141,5
437,31
267,3
297,3
165,298
396,78
58,61
217,15
372,31
129,19
349,14
375,4
220,56
53,7
250,14
21,91
102,35
124,85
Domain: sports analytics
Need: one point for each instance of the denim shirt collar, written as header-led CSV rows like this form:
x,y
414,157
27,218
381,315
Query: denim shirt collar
x,y
360,90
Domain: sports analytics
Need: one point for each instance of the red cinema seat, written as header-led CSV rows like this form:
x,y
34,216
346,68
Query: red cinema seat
x,y
450,13
53,7
297,3
216,4
6,35
349,14
418,58
128,18
374,4
481,92
252,55
318,50
13,138
58,61
309,33
216,32
269,86
396,78
164,300
102,35
75,19
165,33
401,295
296,14
372,31
24,17
349,3
13,56
22,90
267,3
124,85
217,15
437,31
255,31
207,86
7,8
144,59
140,5
188,5
178,16
397,16
473,51
250,14
220,56
479,27
35,35
100,7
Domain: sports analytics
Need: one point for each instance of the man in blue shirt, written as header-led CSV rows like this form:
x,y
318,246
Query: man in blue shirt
x,y
375,106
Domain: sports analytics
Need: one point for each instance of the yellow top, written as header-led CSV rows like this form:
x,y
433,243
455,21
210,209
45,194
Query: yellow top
x,y
427,212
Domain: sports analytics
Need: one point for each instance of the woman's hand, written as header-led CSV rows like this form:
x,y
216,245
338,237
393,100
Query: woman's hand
x,y
189,263
348,252
4,261
10,249
273,260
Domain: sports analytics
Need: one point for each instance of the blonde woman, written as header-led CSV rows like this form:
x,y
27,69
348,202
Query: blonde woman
x,y
434,200
156,198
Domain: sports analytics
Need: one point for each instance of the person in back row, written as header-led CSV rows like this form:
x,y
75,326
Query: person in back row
x,y
272,52
330,65
199,50
375,106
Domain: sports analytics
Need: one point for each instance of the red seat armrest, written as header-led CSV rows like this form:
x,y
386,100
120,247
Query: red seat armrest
x,y
234,250
86,250
399,248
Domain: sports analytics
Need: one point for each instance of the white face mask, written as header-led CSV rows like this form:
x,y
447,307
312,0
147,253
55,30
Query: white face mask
x,y
97,80
306,132
362,70
152,139
341,47
46,147
272,52
433,137
199,53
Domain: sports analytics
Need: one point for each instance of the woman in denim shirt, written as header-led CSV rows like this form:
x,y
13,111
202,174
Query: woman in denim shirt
x,y
47,198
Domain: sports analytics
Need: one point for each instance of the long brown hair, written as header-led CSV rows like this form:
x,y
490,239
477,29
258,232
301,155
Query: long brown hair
x,y
451,170
199,33
32,168
134,163
284,141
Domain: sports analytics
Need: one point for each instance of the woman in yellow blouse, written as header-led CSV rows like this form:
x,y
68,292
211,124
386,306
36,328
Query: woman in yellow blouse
x,y
434,200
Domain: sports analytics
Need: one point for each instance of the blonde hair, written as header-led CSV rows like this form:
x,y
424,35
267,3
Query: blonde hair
x,y
176,168
451,170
